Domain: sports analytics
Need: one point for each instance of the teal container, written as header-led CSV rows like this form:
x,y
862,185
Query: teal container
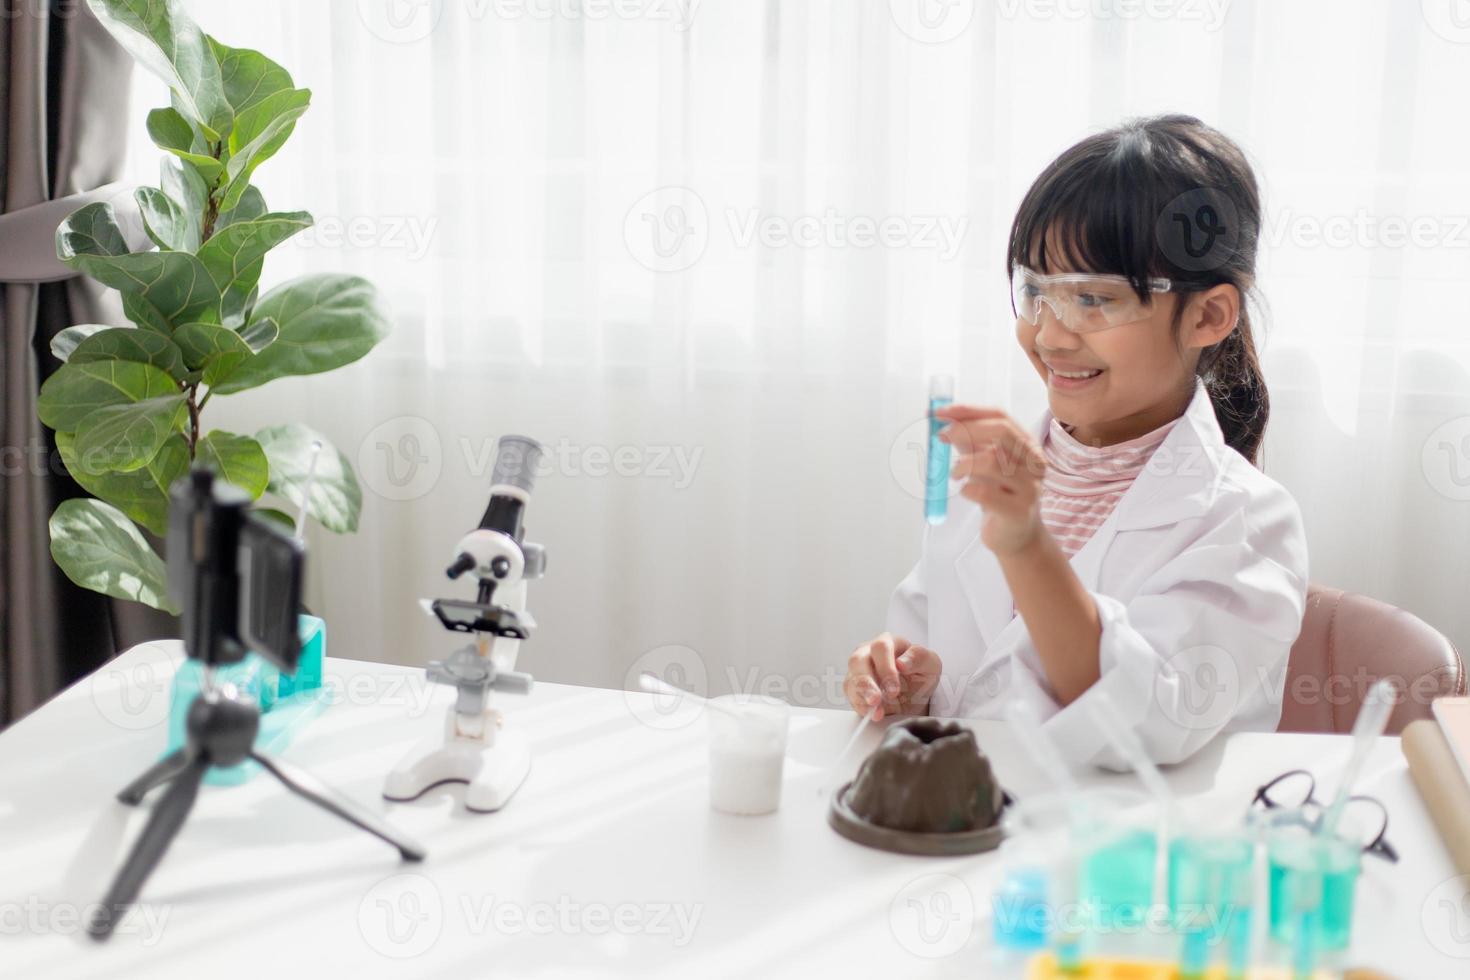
x,y
1021,910
1117,880
1312,884
1211,888
287,701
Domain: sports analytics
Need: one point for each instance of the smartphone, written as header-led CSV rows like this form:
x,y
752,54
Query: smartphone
x,y
270,572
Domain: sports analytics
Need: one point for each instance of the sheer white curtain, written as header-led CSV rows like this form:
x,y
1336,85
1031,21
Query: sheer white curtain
x,y
708,252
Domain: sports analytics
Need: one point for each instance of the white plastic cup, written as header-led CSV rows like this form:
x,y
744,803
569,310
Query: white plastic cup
x,y
747,752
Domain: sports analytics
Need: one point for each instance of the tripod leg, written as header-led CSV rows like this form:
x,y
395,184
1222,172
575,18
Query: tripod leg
x,y
157,774
304,784
163,824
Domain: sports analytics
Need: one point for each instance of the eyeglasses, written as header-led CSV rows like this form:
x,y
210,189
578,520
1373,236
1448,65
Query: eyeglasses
x,y
1082,302
1364,819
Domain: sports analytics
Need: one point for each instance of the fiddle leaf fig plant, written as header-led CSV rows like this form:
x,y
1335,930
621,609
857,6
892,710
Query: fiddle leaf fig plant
x,y
128,402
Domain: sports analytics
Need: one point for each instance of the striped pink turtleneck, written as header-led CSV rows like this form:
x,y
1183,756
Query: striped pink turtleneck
x,y
1084,483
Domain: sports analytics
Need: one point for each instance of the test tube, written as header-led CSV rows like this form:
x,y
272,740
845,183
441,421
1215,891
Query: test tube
x,y
936,471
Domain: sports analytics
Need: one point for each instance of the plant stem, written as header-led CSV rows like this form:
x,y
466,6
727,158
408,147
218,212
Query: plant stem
x,y
211,206
194,420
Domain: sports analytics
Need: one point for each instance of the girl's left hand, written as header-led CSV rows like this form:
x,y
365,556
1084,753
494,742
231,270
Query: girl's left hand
x,y
1002,467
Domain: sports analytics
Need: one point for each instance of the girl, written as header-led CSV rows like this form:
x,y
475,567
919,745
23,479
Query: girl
x,y
1126,543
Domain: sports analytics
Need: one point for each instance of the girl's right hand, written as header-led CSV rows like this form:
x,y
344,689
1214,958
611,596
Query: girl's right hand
x,y
890,669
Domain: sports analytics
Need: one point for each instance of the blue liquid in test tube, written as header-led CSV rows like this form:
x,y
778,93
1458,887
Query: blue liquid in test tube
x,y
936,469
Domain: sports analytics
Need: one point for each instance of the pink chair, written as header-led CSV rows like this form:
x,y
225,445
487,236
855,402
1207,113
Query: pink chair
x,y
1347,642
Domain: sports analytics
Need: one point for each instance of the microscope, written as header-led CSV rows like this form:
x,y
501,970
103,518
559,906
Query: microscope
x,y
475,747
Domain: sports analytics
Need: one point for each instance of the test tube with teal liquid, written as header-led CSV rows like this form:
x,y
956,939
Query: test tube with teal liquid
x,y
936,469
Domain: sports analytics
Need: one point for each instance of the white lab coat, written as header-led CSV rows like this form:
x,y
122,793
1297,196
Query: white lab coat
x,y
1200,579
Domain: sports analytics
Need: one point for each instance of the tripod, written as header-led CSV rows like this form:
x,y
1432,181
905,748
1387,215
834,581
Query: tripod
x,y
221,732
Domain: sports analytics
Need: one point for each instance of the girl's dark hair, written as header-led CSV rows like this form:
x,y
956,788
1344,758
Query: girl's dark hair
x,y
1162,196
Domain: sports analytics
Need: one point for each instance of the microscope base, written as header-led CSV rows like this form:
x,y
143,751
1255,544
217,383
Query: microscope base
x,y
491,773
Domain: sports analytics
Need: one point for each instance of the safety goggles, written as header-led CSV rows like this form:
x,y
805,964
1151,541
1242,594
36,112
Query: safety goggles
x,y
1364,819
1082,302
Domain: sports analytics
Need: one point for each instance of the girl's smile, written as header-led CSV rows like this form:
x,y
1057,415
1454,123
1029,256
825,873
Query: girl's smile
x,y
1066,376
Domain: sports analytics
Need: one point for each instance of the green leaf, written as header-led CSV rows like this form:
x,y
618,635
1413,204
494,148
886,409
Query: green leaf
x,y
280,518
141,494
336,498
90,230
175,284
249,77
260,334
170,131
217,350
166,222
127,437
138,310
100,549
128,344
202,341
77,390
250,206
182,183
238,459
163,39
234,255
66,340
325,321
259,132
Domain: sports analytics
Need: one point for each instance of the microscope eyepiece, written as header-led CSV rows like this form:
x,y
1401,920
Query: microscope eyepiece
x,y
516,460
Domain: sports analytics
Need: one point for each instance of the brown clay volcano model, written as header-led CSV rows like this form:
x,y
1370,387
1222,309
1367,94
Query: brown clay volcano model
x,y
926,789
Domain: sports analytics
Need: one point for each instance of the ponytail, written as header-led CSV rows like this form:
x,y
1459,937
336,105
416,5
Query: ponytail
x,y
1231,371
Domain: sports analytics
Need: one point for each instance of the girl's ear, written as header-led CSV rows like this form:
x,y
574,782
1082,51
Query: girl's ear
x,y
1211,316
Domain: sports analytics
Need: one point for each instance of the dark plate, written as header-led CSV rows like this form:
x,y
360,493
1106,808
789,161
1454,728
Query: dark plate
x,y
855,828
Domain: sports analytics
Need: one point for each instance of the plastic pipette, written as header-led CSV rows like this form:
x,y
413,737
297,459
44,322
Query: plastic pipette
x,y
1372,720
851,741
1043,750
1116,730
654,684
1044,753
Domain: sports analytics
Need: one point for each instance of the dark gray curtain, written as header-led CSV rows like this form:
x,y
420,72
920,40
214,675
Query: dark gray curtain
x,y
64,88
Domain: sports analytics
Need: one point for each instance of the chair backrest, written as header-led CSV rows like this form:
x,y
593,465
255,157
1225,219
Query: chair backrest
x,y
1347,642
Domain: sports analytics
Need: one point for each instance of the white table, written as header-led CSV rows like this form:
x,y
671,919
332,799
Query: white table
x,y
608,860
